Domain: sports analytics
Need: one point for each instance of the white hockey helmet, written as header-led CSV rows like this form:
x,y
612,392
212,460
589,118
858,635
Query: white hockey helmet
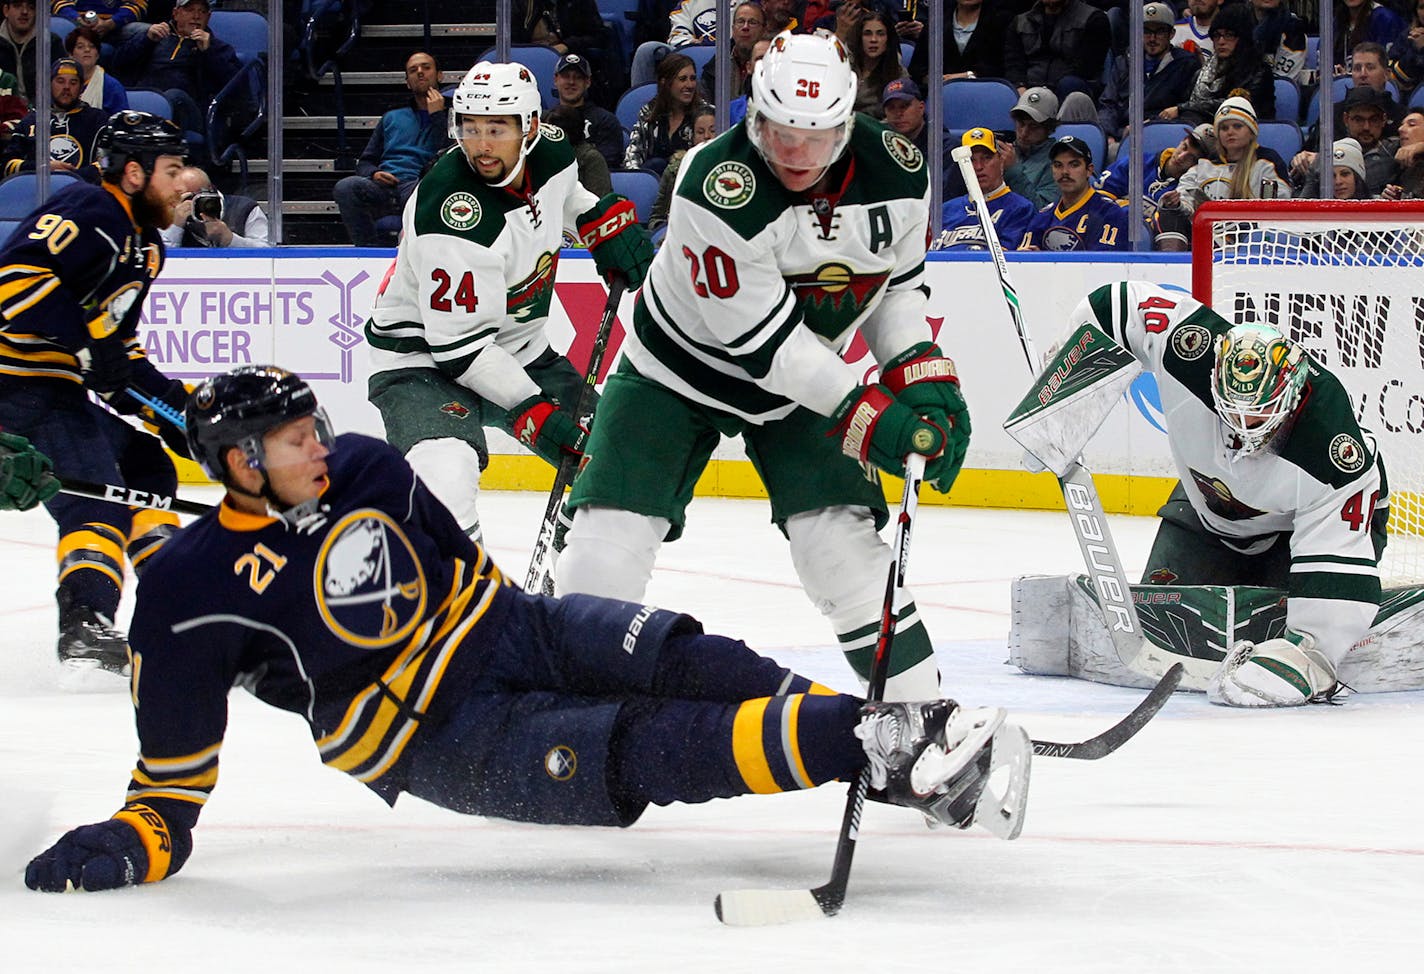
x,y
804,82
1256,382
499,89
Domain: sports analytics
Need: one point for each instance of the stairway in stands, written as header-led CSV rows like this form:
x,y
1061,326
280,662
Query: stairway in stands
x,y
373,82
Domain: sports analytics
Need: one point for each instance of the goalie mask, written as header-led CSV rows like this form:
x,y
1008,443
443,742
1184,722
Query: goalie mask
x,y
495,89
802,106
1256,383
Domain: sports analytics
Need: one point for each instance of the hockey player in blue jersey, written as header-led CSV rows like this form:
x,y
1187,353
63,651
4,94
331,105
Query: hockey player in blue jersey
x,y
1009,211
331,583
1084,218
73,278
1160,175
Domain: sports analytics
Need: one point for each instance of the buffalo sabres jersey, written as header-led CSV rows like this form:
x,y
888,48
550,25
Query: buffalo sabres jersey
x,y
756,291
365,618
77,254
1319,478
72,133
474,275
1097,221
1009,212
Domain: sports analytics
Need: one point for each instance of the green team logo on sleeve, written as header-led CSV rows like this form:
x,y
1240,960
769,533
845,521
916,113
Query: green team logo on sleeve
x,y
1190,342
903,151
1346,453
729,185
460,211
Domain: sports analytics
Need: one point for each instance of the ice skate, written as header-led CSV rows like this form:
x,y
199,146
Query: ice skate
x,y
940,758
90,645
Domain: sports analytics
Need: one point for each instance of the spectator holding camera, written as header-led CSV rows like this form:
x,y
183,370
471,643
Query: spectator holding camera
x,y
101,89
205,217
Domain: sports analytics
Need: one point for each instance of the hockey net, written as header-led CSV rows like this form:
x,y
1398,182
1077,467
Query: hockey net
x,y
1346,279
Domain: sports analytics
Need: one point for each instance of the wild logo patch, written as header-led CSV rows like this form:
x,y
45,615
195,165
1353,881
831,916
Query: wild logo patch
x,y
1346,453
903,151
455,409
729,185
531,297
834,296
561,762
370,588
1219,499
551,132
460,211
1191,342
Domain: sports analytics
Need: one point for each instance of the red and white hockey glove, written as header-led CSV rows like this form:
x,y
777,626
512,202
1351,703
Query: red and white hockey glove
x,y
615,239
541,425
924,379
876,429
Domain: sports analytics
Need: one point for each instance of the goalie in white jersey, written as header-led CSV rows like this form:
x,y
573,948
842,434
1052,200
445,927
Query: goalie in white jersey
x,y
786,235
1280,487
457,335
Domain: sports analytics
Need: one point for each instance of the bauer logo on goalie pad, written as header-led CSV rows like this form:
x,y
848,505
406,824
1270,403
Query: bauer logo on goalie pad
x,y
729,185
1191,342
460,211
1346,453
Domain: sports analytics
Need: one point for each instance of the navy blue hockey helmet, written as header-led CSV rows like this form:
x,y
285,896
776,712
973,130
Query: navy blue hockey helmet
x,y
237,408
138,136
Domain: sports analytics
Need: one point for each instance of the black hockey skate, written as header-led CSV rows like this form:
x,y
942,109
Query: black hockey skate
x,y
941,759
88,640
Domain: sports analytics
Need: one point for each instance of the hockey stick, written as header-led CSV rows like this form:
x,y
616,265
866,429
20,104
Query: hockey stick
x,y
130,497
1080,494
755,908
160,408
539,579
1123,731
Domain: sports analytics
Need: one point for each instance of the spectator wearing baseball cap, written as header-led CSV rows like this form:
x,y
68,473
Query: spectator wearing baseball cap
x,y
1035,117
1083,218
573,76
73,127
1169,71
1161,171
904,108
1009,212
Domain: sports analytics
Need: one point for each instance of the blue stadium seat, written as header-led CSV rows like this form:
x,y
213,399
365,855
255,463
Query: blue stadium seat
x,y
244,30
630,102
1157,136
700,54
1287,100
17,193
971,102
1091,133
153,102
1282,136
640,186
537,58
7,227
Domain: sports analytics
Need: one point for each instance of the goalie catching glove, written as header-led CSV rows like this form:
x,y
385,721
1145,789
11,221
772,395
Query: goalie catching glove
x,y
923,378
618,244
1285,672
875,428
135,846
546,429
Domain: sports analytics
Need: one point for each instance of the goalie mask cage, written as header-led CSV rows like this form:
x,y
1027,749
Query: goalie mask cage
x,y
1346,280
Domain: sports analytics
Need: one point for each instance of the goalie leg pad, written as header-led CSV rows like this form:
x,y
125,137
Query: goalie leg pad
x,y
610,553
451,469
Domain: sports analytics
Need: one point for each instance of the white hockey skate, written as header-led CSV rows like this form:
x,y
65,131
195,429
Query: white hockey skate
x,y
957,766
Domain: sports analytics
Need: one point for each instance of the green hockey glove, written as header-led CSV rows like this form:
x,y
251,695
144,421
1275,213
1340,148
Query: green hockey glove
x,y
25,477
924,379
876,429
618,243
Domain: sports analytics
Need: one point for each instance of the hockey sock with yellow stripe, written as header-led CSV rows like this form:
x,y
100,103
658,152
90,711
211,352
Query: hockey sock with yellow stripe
x,y
685,751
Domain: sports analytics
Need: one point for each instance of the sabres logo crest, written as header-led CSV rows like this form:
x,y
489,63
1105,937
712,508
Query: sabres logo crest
x,y
370,588
561,763
1191,342
729,185
903,151
460,211
1346,453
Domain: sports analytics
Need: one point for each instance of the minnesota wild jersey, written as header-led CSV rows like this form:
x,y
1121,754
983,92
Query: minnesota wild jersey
x,y
473,278
1320,478
756,291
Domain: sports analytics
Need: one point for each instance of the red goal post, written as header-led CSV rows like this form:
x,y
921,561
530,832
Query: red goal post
x,y
1345,278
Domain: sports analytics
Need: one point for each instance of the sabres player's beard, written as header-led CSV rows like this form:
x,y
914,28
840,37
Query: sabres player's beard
x,y
150,208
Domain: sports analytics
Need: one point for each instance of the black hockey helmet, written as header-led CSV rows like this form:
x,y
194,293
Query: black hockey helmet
x,y
237,408
138,136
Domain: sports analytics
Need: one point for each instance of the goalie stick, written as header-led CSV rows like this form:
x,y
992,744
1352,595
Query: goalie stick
x,y
1123,731
1080,495
539,579
130,497
760,907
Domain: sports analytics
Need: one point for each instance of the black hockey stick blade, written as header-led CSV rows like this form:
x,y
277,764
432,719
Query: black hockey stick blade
x,y
1123,731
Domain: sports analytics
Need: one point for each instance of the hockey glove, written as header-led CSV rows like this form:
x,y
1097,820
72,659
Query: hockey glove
x,y
546,429
924,379
25,477
618,243
135,846
174,396
876,429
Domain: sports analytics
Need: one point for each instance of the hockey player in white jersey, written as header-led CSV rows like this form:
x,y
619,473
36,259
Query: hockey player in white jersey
x,y
457,335
786,235
1280,487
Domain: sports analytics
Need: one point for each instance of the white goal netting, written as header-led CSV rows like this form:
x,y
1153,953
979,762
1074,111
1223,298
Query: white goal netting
x,y
1347,281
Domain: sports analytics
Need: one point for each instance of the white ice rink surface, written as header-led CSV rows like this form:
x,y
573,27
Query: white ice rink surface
x,y
1215,841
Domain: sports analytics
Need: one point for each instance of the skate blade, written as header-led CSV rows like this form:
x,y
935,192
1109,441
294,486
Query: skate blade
x,y
89,676
1001,811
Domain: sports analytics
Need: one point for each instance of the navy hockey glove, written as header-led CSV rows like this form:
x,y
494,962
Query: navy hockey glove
x,y
104,359
174,396
923,378
618,243
135,846
25,477
876,429
546,429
